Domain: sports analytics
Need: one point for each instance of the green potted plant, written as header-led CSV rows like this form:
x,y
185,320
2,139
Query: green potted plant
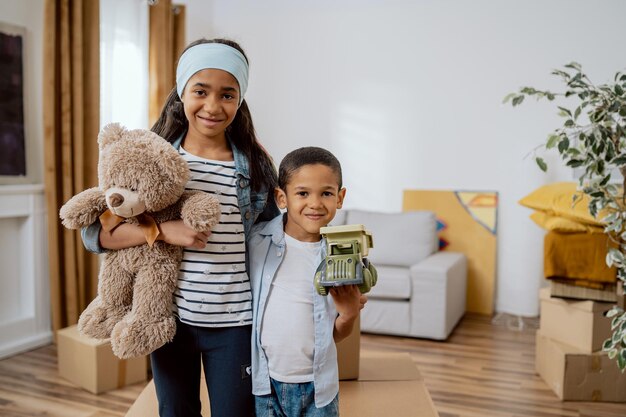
x,y
592,140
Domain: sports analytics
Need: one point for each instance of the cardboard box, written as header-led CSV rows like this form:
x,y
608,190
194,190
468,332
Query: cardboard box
x,y
562,288
575,375
349,352
389,384
580,324
90,363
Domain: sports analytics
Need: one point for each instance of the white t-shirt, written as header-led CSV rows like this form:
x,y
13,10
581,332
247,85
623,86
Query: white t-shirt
x,y
287,329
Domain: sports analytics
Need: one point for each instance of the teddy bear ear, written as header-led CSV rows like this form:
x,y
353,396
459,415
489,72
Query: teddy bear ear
x,y
110,133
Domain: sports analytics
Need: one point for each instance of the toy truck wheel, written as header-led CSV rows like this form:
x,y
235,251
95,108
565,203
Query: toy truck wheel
x,y
321,290
367,281
374,273
370,276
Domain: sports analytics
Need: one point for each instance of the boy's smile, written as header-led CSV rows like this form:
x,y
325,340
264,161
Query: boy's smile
x,y
312,197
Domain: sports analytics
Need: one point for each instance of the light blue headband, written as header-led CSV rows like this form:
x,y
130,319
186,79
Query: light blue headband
x,y
215,56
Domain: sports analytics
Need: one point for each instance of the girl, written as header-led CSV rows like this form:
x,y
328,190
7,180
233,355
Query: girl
x,y
207,119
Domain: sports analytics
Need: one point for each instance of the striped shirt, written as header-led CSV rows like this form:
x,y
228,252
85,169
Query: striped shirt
x,y
213,286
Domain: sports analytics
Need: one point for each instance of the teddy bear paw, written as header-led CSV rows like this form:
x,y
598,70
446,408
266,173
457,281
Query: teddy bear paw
x,y
97,321
201,212
131,338
202,223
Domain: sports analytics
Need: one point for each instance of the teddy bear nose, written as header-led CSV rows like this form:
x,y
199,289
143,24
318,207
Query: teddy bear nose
x,y
116,200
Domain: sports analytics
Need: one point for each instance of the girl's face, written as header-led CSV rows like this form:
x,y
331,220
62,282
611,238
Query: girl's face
x,y
210,101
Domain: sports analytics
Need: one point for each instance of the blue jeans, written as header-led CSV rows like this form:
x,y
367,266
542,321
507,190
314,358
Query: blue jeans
x,y
293,400
225,354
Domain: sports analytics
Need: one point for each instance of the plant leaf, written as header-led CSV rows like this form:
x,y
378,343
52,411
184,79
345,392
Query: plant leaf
x,y
573,65
563,144
605,180
574,163
542,164
620,160
552,141
517,100
621,359
508,97
563,109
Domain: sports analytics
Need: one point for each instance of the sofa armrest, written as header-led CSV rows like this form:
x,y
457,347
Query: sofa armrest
x,y
441,276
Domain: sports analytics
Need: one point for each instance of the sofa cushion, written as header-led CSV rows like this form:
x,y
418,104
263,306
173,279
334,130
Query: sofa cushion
x,y
386,317
400,239
393,283
557,199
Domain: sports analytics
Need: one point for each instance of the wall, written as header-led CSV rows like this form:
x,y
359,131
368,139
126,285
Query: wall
x,y
29,14
24,290
408,94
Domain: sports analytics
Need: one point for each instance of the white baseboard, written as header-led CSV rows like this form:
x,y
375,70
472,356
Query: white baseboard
x,y
26,344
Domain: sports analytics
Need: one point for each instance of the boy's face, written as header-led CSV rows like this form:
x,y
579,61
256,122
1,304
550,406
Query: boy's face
x,y
312,197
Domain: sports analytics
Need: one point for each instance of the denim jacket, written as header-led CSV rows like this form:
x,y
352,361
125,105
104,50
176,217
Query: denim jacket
x,y
252,204
267,246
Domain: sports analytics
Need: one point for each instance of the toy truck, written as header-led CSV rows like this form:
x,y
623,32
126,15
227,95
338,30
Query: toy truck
x,y
346,260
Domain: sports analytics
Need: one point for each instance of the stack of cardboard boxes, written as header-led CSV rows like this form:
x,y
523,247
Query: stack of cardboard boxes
x,y
569,353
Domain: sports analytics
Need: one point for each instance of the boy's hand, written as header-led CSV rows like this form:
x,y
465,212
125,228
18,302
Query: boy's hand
x,y
348,302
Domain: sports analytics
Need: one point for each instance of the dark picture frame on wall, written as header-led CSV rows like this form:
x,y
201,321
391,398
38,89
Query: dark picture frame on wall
x,y
12,129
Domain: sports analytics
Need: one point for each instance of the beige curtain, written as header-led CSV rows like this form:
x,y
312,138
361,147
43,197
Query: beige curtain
x,y
71,123
167,41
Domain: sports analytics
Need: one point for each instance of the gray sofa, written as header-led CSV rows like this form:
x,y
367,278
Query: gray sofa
x,y
420,291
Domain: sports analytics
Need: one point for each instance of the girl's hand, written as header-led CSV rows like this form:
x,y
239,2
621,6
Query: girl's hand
x,y
176,232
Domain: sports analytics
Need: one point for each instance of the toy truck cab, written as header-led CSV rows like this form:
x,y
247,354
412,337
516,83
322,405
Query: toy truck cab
x,y
346,260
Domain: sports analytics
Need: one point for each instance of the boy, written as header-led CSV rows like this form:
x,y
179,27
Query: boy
x,y
294,359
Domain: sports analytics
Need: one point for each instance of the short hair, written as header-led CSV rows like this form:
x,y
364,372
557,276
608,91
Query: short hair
x,y
310,155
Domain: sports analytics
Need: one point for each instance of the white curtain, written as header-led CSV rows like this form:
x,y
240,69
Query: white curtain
x,y
124,62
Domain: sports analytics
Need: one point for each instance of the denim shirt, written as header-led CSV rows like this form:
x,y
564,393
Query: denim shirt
x,y
267,246
253,205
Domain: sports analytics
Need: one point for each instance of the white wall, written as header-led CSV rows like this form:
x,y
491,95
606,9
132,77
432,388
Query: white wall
x,y
24,287
408,95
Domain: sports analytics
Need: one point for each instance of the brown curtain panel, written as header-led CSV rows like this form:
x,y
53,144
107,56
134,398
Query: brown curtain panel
x,y
71,123
167,41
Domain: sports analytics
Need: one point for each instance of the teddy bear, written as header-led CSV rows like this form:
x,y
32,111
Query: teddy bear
x,y
141,181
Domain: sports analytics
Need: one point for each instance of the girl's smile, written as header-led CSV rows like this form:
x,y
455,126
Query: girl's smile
x,y
210,121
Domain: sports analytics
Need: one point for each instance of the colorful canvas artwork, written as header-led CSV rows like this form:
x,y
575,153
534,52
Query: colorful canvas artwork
x,y
12,140
467,223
